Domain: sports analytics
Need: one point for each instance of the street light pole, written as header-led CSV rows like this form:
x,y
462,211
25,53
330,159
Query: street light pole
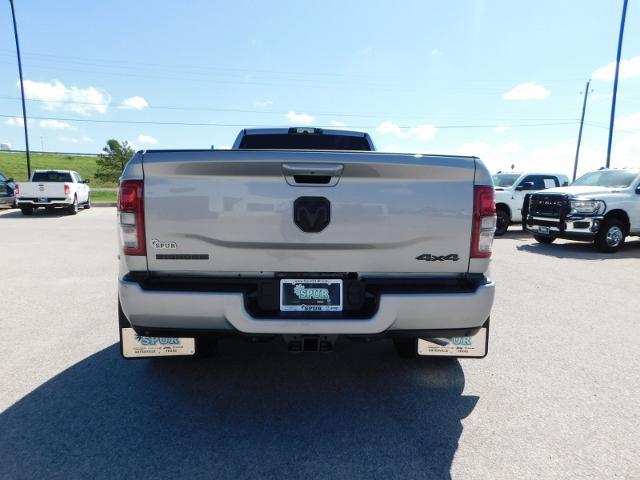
x,y
24,108
615,82
584,108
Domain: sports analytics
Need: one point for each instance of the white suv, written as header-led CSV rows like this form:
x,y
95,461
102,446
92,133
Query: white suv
x,y
511,188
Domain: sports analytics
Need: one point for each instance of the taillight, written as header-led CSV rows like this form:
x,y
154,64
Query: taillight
x,y
16,190
484,221
131,217
67,190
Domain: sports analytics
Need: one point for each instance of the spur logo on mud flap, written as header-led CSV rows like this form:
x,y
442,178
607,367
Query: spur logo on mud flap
x,y
304,293
157,340
163,245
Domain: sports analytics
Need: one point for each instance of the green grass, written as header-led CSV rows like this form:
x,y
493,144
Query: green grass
x,y
14,165
103,196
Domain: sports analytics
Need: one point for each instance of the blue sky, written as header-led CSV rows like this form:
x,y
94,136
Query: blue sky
x,y
499,79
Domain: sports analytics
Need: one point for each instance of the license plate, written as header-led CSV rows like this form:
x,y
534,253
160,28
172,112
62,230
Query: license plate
x,y
310,295
137,346
469,347
43,200
543,229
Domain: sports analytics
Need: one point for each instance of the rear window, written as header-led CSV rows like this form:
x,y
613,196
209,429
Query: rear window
x,y
51,177
304,141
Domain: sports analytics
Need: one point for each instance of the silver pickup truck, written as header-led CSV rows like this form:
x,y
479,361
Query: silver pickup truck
x,y
309,235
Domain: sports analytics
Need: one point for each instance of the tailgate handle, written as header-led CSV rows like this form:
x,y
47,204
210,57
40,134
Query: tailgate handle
x,y
312,174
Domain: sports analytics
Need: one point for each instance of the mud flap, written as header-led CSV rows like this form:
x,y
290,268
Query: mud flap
x,y
476,346
133,345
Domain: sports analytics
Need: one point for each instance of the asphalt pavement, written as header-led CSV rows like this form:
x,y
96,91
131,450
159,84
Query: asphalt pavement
x,y
557,397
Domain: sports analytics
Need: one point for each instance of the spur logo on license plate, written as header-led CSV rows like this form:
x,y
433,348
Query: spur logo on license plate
x,y
310,295
305,293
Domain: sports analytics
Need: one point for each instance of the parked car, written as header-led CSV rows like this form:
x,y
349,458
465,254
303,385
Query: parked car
x,y
53,189
306,234
511,188
601,207
7,189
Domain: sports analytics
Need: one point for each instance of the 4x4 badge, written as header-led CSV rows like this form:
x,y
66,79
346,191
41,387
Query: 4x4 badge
x,y
427,257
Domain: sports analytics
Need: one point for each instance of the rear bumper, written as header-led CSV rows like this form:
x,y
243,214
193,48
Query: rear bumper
x,y
8,200
152,312
50,202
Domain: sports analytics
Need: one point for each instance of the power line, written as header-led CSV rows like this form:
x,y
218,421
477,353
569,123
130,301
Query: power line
x,y
181,67
244,125
280,112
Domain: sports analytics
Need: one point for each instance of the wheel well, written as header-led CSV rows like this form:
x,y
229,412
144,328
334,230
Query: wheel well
x,y
619,215
505,207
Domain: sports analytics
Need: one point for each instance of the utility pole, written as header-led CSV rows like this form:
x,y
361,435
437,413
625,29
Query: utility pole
x,y
24,108
615,81
584,108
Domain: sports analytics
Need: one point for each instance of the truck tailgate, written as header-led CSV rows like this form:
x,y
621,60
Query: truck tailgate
x,y
41,189
233,211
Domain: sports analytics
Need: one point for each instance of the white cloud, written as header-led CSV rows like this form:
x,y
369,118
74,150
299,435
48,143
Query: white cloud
x,y
303,118
335,123
75,139
55,125
436,52
134,103
421,133
424,133
501,129
629,122
510,147
264,103
391,148
557,158
628,69
388,127
17,122
527,91
56,96
477,149
146,140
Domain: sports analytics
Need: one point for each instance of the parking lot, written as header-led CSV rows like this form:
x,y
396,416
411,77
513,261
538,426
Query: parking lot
x,y
558,396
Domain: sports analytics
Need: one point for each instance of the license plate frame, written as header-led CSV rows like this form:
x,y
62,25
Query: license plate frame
x,y
43,200
544,230
323,295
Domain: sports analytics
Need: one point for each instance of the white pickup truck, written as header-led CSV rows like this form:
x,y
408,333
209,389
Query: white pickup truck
x,y
511,188
51,189
308,235
601,207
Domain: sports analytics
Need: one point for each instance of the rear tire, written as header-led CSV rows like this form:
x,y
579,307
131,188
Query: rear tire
x,y
543,239
611,236
87,205
26,211
502,222
73,208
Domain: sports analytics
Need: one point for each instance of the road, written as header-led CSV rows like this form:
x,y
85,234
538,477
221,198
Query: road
x,y
557,397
